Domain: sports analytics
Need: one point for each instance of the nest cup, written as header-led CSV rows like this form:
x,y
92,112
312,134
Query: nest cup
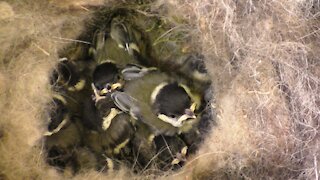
x,y
262,57
157,47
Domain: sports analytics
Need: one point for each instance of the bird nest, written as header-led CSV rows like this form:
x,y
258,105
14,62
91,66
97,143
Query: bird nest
x,y
262,58
123,64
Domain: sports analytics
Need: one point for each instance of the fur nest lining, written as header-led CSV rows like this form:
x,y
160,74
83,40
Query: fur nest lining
x,y
263,57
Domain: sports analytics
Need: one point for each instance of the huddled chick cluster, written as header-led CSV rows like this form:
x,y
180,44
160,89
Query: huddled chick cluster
x,y
121,107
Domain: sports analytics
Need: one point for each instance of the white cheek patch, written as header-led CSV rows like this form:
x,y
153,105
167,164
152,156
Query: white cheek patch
x,y
194,98
184,151
107,120
175,161
120,146
173,121
79,86
120,46
108,61
156,91
200,76
109,163
61,98
151,138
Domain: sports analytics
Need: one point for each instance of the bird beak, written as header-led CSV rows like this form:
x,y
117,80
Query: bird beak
x,y
104,91
114,86
193,107
134,46
186,117
190,114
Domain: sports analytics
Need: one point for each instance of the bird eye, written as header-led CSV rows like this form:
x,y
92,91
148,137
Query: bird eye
x,y
172,116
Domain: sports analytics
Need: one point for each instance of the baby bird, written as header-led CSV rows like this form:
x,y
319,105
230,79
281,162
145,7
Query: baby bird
x,y
172,103
61,143
109,130
106,78
121,33
193,67
66,75
97,50
63,133
119,44
58,115
172,152
155,99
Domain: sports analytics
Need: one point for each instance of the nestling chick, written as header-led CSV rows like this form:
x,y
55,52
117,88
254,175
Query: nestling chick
x,y
122,34
66,75
67,137
58,115
193,67
97,50
63,135
172,151
166,107
108,129
106,78
60,145
172,104
142,144
106,46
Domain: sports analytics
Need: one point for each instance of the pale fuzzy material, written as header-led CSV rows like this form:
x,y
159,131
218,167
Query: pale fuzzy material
x,y
6,11
263,58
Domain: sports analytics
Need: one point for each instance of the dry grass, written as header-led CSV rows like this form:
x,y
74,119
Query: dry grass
x,y
263,57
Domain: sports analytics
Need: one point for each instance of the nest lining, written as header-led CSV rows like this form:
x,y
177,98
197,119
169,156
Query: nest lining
x,y
269,139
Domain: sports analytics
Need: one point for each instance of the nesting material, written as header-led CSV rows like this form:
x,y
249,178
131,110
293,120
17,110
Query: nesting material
x,y
262,57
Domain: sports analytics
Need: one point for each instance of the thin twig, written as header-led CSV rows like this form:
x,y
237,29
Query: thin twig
x,y
72,40
163,35
84,8
316,166
314,32
41,49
